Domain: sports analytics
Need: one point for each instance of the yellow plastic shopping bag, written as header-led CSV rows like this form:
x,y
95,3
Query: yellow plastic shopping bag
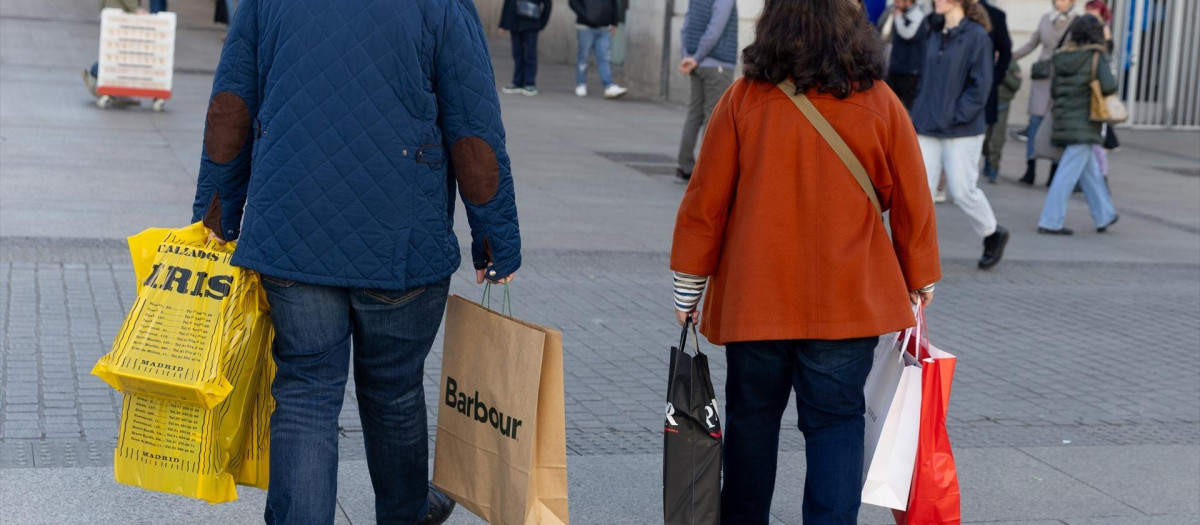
x,y
185,449
195,315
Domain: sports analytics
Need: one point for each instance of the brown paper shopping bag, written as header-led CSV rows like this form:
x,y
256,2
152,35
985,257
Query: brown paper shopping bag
x,y
501,447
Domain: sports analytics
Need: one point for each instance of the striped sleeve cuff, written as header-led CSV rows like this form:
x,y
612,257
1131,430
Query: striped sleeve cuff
x,y
688,289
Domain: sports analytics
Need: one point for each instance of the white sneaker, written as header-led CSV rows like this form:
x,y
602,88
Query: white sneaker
x,y
614,91
581,90
940,196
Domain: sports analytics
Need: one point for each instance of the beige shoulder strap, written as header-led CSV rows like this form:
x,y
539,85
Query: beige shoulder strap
x,y
835,141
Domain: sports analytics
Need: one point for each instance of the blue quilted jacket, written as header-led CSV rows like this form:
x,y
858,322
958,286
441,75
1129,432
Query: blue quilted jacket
x,y
338,133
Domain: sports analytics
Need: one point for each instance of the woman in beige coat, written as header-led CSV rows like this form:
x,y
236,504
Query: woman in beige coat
x,y
1050,31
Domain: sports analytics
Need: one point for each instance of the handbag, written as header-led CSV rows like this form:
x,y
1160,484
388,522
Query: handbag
x,y
1104,108
834,140
529,9
1041,70
691,439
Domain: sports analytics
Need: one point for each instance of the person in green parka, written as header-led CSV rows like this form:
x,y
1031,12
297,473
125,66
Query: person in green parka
x,y
1081,60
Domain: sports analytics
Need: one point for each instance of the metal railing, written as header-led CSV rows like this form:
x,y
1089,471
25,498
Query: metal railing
x,y
1157,60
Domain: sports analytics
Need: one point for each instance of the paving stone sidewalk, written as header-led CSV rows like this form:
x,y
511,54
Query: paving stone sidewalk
x,y
1077,395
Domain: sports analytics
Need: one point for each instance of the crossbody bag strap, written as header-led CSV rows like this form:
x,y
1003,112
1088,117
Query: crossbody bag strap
x,y
834,140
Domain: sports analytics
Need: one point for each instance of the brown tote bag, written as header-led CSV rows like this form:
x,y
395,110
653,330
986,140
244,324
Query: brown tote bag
x,y
501,447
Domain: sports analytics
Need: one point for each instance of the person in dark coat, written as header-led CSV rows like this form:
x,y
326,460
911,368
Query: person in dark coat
x,y
524,19
1002,47
956,78
1081,60
908,50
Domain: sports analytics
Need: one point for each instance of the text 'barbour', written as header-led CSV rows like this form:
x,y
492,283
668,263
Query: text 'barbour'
x,y
472,407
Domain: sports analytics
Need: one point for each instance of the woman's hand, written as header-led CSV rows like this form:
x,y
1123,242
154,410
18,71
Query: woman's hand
x,y
919,297
682,316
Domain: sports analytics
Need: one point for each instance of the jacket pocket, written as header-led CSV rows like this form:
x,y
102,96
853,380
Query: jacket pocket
x,y
430,154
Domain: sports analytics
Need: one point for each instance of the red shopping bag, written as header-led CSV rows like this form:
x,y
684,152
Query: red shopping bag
x,y
934,497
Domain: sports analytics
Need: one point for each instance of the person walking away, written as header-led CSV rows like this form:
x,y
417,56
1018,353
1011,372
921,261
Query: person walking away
x,y
596,22
771,201
1002,49
1050,31
910,31
91,75
350,221
710,48
524,19
993,145
1081,60
948,114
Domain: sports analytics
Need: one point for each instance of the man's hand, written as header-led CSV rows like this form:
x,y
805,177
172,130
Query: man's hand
x,y
481,275
919,297
687,65
612,30
682,316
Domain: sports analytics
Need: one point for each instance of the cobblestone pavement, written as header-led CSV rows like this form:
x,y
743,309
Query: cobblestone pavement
x,y
1090,353
1091,341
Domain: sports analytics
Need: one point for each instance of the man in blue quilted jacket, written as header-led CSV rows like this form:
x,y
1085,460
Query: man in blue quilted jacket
x,y
336,137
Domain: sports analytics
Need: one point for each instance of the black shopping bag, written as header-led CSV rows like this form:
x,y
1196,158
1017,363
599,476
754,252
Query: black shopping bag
x,y
692,440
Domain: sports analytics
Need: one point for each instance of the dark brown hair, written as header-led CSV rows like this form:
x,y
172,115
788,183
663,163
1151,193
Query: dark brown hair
x,y
822,44
976,12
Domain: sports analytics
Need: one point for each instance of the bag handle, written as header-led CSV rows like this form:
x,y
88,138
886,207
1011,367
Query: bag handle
x,y
1095,61
835,141
695,336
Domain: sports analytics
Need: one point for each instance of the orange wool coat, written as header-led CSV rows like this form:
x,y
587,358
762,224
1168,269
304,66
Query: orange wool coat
x,y
792,245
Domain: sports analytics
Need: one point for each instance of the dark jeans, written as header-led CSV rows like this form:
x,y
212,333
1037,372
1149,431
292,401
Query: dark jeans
x,y
828,377
708,84
391,333
525,58
905,87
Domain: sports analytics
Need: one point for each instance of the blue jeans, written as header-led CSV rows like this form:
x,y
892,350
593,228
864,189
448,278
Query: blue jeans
x,y
828,377
1078,164
600,40
1035,121
391,333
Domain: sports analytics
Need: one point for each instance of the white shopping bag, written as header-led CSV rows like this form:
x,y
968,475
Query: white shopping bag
x,y
893,420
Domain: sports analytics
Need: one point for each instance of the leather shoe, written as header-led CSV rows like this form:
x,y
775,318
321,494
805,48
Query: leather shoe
x,y
993,248
440,507
1104,228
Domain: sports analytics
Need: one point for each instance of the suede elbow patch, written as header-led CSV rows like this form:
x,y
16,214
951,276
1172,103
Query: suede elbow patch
x,y
226,127
476,169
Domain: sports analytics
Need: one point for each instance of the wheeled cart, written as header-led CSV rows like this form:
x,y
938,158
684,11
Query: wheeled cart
x,y
137,57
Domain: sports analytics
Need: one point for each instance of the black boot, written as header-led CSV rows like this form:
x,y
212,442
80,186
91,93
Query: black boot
x,y
440,507
1030,172
993,248
1053,169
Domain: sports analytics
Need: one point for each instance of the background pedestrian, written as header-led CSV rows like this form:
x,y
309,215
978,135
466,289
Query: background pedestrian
x,y
524,19
910,31
1082,59
596,22
1002,49
1049,34
956,78
771,202
709,38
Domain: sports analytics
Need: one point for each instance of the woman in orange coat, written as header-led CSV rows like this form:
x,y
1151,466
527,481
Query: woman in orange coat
x,y
802,276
